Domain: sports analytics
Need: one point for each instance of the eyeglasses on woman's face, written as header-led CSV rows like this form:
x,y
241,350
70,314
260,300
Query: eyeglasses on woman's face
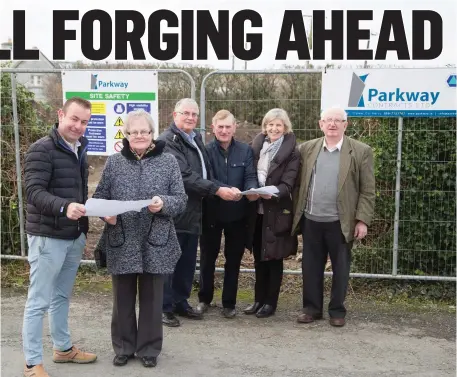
x,y
136,134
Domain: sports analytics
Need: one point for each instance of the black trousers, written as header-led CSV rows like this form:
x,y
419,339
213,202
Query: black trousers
x,y
320,240
268,274
146,338
210,244
178,285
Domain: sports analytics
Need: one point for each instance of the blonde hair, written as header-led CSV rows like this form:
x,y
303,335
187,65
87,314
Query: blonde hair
x,y
277,114
223,114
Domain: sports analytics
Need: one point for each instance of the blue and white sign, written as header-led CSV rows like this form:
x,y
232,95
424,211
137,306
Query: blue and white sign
x,y
138,105
93,133
119,108
96,146
391,92
97,121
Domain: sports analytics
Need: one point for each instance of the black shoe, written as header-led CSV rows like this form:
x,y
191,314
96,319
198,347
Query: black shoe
x,y
252,309
228,313
265,311
170,320
189,313
121,360
149,361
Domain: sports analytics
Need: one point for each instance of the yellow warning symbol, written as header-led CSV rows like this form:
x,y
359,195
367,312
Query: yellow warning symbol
x,y
119,135
119,122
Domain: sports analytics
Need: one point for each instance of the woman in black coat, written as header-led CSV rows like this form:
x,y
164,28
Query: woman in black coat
x,y
277,161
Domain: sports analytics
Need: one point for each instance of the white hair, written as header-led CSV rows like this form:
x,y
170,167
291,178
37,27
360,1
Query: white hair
x,y
140,113
333,110
280,114
186,101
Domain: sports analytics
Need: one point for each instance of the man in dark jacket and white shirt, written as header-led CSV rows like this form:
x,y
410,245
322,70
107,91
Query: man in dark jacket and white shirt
x,y
188,148
232,163
56,173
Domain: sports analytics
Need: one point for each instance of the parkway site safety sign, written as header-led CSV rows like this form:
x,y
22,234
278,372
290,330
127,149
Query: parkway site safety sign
x,y
113,95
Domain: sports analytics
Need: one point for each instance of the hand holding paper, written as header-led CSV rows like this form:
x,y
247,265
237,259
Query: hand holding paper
x,y
104,208
267,191
252,197
226,193
237,193
112,220
156,204
75,211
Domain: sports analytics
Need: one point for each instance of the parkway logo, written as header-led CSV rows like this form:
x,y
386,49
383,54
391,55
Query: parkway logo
x,y
93,81
395,95
356,91
96,83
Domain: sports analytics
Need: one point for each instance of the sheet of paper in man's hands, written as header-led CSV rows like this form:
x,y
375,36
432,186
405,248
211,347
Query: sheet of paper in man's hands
x,y
103,207
267,190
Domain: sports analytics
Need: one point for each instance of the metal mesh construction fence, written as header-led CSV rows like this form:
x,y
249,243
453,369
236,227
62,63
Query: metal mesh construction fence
x,y
414,227
24,120
413,234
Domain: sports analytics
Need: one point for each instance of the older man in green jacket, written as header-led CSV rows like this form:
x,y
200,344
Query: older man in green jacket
x,y
333,205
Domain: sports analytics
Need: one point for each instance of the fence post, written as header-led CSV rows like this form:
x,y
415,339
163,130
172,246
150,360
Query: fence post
x,y
185,73
203,111
203,106
397,199
18,162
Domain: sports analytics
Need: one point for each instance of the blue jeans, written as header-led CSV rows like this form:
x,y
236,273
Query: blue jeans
x,y
53,267
178,286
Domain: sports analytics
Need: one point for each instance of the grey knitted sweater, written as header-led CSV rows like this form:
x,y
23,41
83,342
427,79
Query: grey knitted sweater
x,y
142,241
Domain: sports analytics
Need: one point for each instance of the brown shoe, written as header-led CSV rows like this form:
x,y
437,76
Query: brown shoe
x,y
307,318
73,356
36,371
337,322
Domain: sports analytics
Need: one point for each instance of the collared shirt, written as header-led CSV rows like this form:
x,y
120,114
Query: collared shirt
x,y
191,139
337,146
74,147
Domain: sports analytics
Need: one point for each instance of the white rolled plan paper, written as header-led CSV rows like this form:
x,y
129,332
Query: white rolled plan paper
x,y
267,190
104,207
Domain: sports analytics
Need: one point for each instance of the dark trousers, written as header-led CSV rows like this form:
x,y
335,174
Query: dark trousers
x,y
210,244
178,286
320,240
146,338
268,274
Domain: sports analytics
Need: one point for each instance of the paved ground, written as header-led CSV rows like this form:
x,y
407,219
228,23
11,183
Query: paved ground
x,y
376,342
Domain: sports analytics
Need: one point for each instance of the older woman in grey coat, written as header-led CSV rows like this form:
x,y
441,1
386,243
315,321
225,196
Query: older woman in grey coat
x,y
141,246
